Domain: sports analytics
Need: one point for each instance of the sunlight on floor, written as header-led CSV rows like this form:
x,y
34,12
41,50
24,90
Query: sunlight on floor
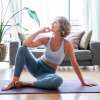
x,y
4,65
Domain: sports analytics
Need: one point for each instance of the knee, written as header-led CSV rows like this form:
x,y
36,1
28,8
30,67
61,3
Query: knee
x,y
57,81
51,81
22,49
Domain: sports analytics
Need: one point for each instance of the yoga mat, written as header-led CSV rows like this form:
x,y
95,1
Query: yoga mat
x,y
68,86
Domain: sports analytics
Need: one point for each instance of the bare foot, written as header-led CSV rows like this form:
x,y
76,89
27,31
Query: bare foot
x,y
16,84
9,86
20,84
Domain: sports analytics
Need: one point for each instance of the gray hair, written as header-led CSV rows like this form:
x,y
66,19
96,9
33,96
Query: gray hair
x,y
65,26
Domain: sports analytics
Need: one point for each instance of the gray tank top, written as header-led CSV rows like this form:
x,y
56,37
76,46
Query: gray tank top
x,y
55,57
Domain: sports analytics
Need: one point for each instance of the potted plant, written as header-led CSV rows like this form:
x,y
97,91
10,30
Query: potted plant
x,y
4,26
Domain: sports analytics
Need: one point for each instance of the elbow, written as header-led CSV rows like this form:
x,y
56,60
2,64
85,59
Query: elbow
x,y
25,43
75,64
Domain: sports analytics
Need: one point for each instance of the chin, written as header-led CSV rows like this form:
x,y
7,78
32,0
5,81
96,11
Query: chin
x,y
52,30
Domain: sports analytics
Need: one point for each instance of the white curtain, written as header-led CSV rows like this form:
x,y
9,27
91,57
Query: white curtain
x,y
15,7
7,9
47,10
91,18
96,20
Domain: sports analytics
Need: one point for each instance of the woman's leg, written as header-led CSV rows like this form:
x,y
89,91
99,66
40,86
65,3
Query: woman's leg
x,y
23,57
48,81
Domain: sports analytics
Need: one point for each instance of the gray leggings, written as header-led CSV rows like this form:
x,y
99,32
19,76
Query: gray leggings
x,y
46,77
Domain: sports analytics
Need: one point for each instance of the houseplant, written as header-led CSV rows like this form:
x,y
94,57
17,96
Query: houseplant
x,y
4,25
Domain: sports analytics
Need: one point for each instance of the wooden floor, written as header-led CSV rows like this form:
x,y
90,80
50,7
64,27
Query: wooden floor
x,y
7,73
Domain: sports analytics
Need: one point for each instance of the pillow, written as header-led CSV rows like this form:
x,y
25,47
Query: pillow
x,y
21,36
75,38
85,40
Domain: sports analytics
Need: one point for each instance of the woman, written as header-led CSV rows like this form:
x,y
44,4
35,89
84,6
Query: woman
x,y
44,68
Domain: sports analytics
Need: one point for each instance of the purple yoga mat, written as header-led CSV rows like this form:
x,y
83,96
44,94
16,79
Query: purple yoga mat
x,y
68,86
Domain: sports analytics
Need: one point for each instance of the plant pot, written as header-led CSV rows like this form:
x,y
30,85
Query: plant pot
x,y
2,51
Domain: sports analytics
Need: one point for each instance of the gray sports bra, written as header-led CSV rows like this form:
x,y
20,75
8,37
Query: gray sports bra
x,y
55,57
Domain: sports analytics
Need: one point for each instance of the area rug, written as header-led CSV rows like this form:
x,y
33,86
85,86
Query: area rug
x,y
68,86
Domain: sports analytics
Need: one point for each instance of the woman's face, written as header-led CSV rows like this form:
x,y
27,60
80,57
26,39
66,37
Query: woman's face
x,y
55,27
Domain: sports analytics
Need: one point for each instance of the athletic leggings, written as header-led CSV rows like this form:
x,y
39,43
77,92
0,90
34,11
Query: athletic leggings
x,y
45,75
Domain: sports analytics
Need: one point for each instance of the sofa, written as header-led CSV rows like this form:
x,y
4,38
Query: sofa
x,y
86,51
87,57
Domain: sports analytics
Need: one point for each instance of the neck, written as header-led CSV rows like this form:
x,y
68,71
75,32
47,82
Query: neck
x,y
57,37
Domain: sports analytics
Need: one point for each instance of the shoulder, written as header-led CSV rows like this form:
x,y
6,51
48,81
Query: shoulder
x,y
68,47
67,43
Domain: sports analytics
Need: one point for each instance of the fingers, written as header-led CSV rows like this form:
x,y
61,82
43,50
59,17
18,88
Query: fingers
x,y
44,30
47,30
93,84
90,85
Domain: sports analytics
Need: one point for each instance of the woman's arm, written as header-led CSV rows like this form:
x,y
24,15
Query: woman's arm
x,y
31,41
69,50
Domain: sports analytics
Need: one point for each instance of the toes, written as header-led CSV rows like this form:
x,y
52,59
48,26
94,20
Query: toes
x,y
8,87
4,88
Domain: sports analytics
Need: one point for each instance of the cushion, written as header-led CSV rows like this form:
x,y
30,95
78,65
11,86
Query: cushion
x,y
21,36
75,38
85,40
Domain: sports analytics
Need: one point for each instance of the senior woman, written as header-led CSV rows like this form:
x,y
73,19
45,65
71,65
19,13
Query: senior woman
x,y
44,68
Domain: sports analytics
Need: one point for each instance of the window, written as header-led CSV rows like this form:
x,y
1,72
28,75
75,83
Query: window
x,y
76,14
7,9
47,10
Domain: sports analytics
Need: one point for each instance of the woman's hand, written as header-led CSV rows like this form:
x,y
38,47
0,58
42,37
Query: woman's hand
x,y
44,30
29,41
88,84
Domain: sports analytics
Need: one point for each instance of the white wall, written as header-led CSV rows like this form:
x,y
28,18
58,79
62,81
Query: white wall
x,y
91,18
96,20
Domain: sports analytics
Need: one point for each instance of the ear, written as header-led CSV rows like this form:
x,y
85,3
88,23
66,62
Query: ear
x,y
62,33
